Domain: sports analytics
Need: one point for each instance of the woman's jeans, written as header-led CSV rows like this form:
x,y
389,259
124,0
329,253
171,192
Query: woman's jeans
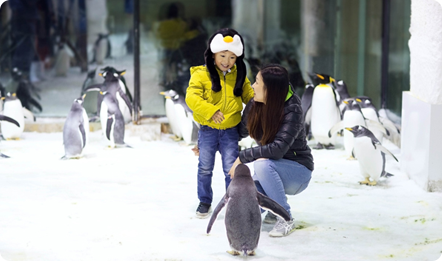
x,y
276,178
209,142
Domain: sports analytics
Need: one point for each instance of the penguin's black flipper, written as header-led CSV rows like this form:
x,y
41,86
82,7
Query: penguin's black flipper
x,y
126,100
9,119
384,150
129,95
83,133
109,123
90,76
215,213
386,174
271,205
35,103
94,87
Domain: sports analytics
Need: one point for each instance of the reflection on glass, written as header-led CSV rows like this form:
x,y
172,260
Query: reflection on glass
x,y
55,43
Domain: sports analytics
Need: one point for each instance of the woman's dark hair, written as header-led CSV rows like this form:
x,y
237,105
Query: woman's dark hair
x,y
264,120
240,65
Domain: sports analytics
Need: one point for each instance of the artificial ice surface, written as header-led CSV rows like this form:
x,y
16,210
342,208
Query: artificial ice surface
x,y
139,204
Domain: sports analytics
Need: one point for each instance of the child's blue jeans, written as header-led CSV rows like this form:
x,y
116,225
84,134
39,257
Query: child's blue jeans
x,y
276,178
209,142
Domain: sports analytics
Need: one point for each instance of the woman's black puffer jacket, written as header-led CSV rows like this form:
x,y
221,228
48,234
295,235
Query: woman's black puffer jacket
x,y
290,141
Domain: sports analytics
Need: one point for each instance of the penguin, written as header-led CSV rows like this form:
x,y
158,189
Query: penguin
x,y
393,129
324,110
370,112
90,102
62,61
370,154
112,121
243,214
306,101
351,116
26,91
102,49
113,84
75,130
12,121
341,88
180,117
13,109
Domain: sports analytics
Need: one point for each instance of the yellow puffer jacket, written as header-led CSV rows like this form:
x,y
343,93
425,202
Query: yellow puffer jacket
x,y
204,102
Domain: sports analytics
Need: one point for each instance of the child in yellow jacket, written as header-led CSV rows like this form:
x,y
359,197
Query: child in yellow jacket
x,y
216,93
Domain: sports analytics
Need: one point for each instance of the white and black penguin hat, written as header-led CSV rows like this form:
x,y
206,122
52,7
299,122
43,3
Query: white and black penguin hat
x,y
222,40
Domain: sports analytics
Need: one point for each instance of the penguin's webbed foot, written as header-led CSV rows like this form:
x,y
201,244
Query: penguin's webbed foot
x,y
365,182
176,138
329,146
233,252
351,158
251,253
372,183
318,146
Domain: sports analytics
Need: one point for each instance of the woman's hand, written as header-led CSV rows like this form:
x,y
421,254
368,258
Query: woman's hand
x,y
232,169
218,117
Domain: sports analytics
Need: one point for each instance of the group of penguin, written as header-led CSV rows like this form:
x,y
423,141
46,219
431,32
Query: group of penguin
x,y
114,109
329,110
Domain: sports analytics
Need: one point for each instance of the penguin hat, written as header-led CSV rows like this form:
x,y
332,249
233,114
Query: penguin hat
x,y
226,39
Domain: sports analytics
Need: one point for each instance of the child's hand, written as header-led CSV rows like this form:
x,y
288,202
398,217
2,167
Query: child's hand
x,y
218,117
232,169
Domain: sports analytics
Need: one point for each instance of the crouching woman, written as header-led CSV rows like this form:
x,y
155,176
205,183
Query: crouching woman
x,y
283,162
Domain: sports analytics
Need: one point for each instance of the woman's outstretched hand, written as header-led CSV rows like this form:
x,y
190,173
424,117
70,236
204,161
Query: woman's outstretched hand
x,y
232,169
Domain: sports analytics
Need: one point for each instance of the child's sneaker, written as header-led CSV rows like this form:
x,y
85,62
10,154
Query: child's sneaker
x,y
203,210
282,228
270,218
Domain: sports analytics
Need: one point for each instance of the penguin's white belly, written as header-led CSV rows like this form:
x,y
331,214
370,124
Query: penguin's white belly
x,y
101,51
325,114
123,108
185,125
103,120
13,109
171,116
351,118
62,63
370,159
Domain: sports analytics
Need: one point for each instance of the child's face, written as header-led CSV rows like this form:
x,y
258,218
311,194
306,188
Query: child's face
x,y
259,89
224,60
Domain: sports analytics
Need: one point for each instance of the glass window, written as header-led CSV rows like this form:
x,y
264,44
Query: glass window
x,y
57,42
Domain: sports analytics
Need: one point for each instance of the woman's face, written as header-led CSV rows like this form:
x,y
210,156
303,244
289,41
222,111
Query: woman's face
x,y
259,89
224,60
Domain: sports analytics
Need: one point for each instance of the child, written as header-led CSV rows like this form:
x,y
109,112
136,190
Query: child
x,y
216,93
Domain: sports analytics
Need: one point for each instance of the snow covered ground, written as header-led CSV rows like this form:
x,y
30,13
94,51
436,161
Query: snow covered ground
x,y
139,204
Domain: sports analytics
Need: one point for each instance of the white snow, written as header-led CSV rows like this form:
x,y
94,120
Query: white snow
x,y
139,204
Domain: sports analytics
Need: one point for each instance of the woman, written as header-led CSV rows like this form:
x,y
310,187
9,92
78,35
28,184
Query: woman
x,y
283,162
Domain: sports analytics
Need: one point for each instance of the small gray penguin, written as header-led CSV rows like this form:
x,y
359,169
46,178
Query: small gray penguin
x,y
112,121
75,130
243,214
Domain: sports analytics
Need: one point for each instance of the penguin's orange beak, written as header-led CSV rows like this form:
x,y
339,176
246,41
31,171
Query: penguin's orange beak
x,y
349,129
